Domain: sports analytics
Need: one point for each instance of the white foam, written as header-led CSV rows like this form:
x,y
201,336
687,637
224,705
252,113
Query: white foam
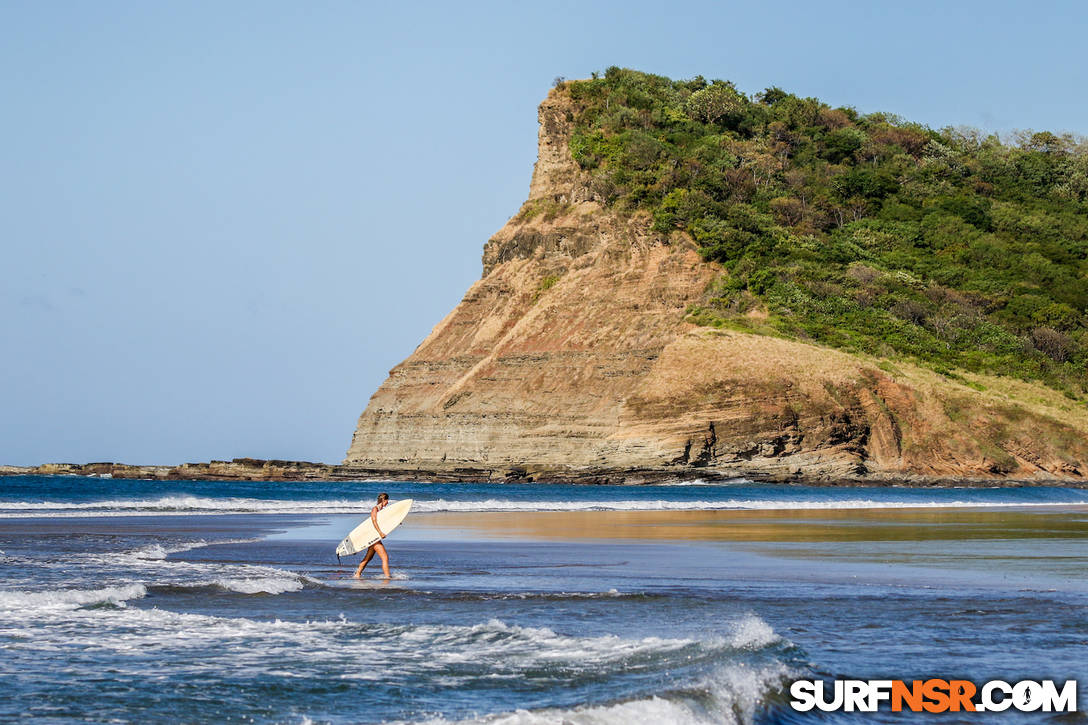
x,y
185,504
54,600
503,649
152,566
152,560
514,647
158,552
459,655
155,552
751,632
701,482
738,689
195,505
261,585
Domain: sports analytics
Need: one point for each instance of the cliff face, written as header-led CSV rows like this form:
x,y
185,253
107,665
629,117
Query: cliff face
x,y
571,357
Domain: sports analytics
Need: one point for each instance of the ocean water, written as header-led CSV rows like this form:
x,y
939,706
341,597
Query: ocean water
x,y
138,601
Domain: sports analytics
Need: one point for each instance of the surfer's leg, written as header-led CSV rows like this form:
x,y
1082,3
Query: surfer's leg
x,y
364,562
380,548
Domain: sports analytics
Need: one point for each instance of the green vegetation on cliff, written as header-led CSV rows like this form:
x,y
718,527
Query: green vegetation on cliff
x,y
859,231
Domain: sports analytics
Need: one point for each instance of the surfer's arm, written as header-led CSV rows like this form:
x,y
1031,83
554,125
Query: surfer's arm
x,y
374,520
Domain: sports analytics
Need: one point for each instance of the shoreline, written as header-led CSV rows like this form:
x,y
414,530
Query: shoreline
x,y
786,525
255,469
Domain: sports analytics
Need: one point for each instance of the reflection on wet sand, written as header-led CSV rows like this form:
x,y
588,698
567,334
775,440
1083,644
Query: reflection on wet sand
x,y
781,525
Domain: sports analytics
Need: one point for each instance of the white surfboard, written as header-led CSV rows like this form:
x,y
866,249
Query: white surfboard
x,y
363,535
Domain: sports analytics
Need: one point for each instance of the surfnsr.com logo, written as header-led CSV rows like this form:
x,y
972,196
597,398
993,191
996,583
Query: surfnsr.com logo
x,y
933,695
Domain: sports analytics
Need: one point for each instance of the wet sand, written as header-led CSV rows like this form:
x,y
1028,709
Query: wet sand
x,y
780,525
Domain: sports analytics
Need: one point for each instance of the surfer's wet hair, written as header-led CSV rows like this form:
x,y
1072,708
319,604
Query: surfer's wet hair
x,y
383,497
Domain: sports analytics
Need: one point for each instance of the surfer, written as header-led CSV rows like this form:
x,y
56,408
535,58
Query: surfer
x,y
378,546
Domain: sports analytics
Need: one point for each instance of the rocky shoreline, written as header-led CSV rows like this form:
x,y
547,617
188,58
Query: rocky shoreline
x,y
255,469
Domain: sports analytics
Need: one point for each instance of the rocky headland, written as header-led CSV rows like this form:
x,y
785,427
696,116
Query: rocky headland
x,y
572,358
579,357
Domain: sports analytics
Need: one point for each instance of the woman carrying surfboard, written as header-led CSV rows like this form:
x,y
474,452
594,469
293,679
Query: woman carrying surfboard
x,y
367,536
378,546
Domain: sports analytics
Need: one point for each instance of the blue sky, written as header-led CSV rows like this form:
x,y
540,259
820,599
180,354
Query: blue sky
x,y
224,222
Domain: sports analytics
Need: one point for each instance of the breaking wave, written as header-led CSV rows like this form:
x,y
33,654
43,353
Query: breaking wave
x,y
261,585
462,655
195,505
152,565
58,600
730,695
